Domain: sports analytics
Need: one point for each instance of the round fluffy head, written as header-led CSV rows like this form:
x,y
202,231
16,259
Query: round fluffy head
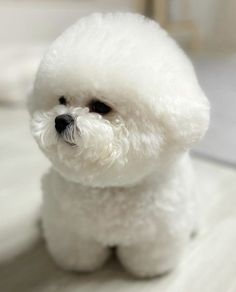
x,y
132,95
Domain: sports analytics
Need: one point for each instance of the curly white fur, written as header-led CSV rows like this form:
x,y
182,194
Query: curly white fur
x,y
123,179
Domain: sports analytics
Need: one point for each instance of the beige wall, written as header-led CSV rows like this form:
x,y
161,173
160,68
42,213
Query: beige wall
x,y
217,23
223,35
42,20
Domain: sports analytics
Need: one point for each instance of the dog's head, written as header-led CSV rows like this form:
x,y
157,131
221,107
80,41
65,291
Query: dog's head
x,y
114,96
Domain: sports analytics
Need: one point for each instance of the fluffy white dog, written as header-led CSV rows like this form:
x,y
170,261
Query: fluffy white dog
x,y
116,107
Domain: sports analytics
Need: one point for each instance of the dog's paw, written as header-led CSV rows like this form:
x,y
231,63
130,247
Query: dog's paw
x,y
80,258
149,260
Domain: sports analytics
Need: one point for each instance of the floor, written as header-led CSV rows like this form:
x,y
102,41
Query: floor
x,y
209,264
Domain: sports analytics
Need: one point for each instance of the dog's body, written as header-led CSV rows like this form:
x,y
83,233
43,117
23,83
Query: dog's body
x,y
149,223
129,109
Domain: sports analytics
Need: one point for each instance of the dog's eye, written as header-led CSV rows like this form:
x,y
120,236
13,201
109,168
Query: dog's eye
x,y
99,107
62,100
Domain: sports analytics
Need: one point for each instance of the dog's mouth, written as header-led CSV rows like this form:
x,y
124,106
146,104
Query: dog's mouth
x,y
70,143
64,139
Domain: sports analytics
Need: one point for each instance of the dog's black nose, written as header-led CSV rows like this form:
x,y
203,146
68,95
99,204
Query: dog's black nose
x,y
62,121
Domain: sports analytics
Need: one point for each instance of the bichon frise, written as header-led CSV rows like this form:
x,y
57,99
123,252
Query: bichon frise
x,y
116,107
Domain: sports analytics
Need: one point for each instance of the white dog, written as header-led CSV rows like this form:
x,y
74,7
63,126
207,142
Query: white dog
x,y
116,107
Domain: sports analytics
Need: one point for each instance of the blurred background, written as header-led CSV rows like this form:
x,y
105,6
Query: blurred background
x,y
204,28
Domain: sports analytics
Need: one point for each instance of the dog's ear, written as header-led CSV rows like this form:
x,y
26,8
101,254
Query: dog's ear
x,y
186,119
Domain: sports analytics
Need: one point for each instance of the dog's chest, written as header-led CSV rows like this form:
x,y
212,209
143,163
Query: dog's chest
x,y
110,215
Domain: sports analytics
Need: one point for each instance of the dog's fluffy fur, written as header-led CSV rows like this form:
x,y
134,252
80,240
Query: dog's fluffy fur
x,y
123,179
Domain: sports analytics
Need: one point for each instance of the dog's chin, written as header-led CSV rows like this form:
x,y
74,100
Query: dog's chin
x,y
95,180
83,176
76,169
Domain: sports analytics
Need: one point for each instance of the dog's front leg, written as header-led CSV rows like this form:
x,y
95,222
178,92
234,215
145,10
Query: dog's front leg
x,y
68,247
76,254
153,258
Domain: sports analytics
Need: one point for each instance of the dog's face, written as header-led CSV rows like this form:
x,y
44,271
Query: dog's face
x,y
107,108
98,140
